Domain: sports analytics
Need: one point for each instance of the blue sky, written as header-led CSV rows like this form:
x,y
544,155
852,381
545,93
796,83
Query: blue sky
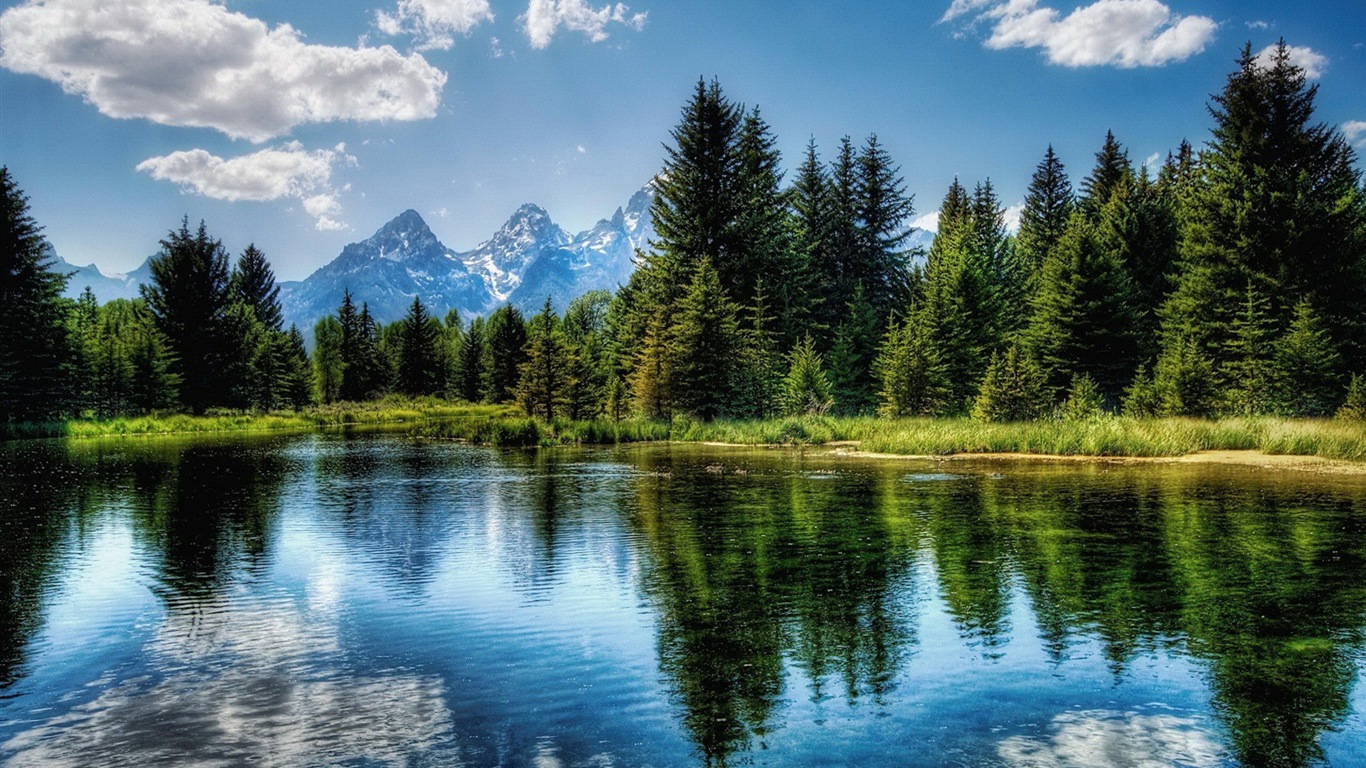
x,y
304,126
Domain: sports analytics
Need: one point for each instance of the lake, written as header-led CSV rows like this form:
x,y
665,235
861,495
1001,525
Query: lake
x,y
367,599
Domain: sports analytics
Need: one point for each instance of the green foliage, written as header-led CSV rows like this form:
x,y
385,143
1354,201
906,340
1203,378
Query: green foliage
x,y
421,362
1141,400
652,376
328,368
253,284
1305,364
1247,370
504,353
1014,389
1354,407
805,388
469,363
1047,207
1184,382
912,375
853,354
1084,400
706,342
547,373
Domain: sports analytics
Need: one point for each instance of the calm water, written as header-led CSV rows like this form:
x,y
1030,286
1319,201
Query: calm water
x,y
370,600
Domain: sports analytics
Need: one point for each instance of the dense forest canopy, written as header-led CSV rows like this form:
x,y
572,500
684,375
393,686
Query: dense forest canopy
x,y
1227,282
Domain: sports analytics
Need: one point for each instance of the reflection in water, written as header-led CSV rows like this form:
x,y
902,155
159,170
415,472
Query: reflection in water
x,y
372,599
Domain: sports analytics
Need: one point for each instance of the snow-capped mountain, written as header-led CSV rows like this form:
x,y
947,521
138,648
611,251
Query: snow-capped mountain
x,y
528,259
105,287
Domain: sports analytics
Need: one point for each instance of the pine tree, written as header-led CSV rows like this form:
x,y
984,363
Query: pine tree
x,y
705,344
585,329
882,208
990,247
1014,389
253,284
328,366
1183,381
419,365
652,377
913,379
1141,400
1083,401
37,355
1083,317
806,389
817,270
154,385
504,353
758,375
1305,365
469,366
853,354
1247,368
296,376
764,249
1354,407
1112,169
1279,203
189,297
546,373
1047,207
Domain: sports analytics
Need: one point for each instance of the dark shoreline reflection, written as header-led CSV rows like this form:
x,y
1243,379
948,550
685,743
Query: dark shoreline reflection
x,y
374,599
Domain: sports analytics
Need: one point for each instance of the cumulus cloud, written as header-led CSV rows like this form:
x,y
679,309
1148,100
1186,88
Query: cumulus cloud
x,y
1106,739
1311,61
1355,131
1119,33
929,222
285,172
1258,24
434,22
195,63
544,17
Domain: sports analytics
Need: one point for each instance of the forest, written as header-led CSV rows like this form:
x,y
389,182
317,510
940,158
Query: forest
x,y
1226,283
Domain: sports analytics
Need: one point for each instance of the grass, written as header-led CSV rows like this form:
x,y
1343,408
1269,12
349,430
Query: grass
x,y
505,426
389,411
1119,437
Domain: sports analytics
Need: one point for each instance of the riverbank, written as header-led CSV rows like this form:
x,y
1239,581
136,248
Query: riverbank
x,y
1107,438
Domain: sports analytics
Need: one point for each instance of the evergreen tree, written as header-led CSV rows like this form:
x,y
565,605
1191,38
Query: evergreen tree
x,y
328,366
419,366
1112,169
705,345
757,375
1247,368
1047,207
189,298
1184,382
585,329
853,354
805,389
1141,400
1083,401
469,366
154,385
504,353
652,377
1278,204
296,375
882,208
1354,408
914,382
253,284
1305,365
1083,318
816,270
989,246
1014,389
547,372
764,248
354,386
36,356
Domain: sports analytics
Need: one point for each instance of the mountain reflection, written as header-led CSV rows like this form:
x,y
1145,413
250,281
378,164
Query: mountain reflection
x,y
779,591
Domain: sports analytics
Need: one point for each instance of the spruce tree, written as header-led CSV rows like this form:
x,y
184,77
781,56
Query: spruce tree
x,y
1111,170
705,345
1184,383
36,356
1354,407
882,208
763,244
253,284
546,375
805,389
296,376
1047,207
652,377
469,365
328,362
585,329
816,270
154,384
1279,203
1083,317
504,353
853,353
1247,369
1083,401
1305,365
419,365
912,375
1014,389
189,297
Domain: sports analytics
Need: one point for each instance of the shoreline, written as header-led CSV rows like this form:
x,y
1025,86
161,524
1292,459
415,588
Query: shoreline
x,y
1238,458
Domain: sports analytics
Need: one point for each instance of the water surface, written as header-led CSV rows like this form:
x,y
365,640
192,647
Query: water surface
x,y
373,600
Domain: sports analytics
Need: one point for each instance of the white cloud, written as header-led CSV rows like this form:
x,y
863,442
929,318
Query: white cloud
x,y
195,63
1012,217
1152,160
929,222
1355,131
544,17
1120,33
286,172
1311,61
1105,739
1259,24
434,22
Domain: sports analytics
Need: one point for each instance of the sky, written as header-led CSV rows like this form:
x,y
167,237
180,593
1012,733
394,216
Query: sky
x,y
303,126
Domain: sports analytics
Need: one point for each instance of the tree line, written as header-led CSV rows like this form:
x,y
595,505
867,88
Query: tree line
x,y
1228,282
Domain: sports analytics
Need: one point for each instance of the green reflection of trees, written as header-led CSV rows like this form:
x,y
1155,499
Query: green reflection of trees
x,y
748,570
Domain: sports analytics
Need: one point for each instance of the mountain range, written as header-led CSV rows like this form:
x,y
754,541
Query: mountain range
x,y
527,260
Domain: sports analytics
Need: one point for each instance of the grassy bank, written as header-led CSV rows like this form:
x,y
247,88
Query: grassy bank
x,y
391,411
942,437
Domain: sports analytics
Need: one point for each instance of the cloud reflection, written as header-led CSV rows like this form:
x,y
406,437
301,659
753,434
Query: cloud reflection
x,y
1108,739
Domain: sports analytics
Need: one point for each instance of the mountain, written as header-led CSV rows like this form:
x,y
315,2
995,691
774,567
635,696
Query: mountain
x,y
105,287
529,258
